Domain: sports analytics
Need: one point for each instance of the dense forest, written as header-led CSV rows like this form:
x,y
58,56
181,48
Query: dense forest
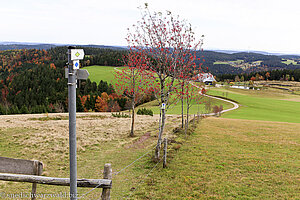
x,y
32,80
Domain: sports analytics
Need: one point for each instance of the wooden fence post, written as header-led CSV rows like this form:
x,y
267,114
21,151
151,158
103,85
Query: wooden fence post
x,y
107,174
165,153
37,171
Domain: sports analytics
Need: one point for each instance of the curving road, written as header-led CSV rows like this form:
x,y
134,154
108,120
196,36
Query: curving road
x,y
235,105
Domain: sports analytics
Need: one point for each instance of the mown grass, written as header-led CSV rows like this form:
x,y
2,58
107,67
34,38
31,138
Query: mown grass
x,y
288,61
194,109
261,105
229,62
105,73
232,159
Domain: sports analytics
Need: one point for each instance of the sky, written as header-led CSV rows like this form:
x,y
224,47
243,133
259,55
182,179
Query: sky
x,y
261,25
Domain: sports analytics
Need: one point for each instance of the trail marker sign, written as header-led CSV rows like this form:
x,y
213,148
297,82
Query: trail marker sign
x,y
76,64
77,54
82,74
163,106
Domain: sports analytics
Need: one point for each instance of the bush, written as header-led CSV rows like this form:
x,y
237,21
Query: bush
x,y
145,111
120,115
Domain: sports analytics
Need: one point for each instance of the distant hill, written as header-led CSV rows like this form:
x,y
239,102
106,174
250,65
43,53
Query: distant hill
x,y
246,62
215,61
26,46
250,51
40,46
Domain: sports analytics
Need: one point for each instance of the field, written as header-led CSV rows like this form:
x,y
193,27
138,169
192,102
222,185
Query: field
x,y
195,108
232,159
288,61
266,105
249,153
101,139
222,159
98,73
235,62
105,73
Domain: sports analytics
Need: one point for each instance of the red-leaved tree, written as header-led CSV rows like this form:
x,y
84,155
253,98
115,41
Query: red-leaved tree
x,y
169,44
133,81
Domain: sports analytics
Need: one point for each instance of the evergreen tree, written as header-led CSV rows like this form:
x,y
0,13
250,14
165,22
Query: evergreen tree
x,y
110,89
79,107
24,110
102,87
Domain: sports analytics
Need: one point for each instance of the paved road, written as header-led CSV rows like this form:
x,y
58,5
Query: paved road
x,y
235,105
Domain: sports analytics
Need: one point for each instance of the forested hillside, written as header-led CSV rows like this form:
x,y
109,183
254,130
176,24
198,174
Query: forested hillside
x,y
32,81
243,62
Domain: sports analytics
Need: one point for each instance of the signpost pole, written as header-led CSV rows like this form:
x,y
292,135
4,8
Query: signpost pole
x,y
72,125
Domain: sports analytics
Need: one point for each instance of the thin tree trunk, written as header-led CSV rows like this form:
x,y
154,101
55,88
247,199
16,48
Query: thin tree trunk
x,y
182,112
132,120
187,115
161,130
182,109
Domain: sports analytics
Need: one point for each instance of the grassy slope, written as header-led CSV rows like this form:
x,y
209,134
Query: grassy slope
x,y
98,73
228,62
232,159
176,109
90,158
105,73
261,105
224,159
289,62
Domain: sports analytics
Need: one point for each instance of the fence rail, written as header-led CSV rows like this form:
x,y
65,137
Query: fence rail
x,y
91,183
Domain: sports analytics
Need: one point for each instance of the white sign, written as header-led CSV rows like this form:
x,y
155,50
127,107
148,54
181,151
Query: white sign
x,y
76,64
163,106
77,54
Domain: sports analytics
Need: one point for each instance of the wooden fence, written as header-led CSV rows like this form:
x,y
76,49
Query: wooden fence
x,y
20,170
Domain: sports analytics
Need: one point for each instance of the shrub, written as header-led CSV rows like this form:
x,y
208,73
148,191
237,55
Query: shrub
x,y
120,115
145,111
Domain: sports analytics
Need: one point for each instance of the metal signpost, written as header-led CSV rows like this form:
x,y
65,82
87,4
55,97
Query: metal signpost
x,y
73,73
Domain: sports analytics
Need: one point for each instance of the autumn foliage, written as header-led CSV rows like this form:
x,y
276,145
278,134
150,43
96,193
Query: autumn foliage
x,y
166,46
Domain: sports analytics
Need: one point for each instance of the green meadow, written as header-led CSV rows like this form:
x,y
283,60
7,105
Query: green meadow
x,y
266,105
288,61
231,159
237,62
105,73
194,109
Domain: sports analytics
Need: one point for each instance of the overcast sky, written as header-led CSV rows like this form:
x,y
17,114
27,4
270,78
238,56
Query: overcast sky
x,y
264,25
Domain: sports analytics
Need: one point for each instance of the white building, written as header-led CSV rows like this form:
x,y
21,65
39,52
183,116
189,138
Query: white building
x,y
206,78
